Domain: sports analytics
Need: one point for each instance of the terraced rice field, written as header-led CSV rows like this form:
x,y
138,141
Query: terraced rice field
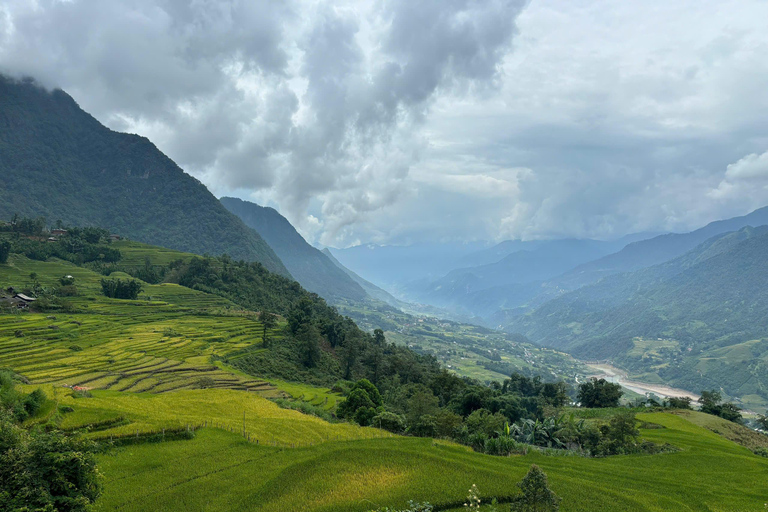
x,y
248,414
165,341
219,471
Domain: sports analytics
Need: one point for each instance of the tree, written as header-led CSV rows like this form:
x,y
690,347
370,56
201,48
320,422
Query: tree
x,y
40,470
711,404
623,429
268,321
762,421
378,337
300,314
5,250
536,495
679,402
119,289
599,393
309,345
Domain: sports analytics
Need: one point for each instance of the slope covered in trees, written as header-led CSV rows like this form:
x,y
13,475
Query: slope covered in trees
x,y
58,162
677,320
309,266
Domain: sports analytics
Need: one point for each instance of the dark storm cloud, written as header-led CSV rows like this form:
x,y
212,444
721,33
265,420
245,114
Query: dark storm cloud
x,y
387,120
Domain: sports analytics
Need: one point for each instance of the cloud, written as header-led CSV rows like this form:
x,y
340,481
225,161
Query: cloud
x,y
744,182
391,121
751,167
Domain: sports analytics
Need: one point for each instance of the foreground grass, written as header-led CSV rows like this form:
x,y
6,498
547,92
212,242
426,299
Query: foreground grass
x,y
229,410
220,471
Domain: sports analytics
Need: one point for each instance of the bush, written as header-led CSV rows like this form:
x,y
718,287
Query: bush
x,y
119,289
67,291
5,250
599,393
389,421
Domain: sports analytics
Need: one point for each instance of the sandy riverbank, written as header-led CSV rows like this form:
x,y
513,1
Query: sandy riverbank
x,y
618,376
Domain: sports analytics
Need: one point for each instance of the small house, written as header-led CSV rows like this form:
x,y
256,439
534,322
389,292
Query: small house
x,y
58,232
115,238
24,298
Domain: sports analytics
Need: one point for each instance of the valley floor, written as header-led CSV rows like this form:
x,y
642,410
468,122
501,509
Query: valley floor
x,y
619,376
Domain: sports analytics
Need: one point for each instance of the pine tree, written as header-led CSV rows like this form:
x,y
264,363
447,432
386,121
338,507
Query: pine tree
x,y
536,496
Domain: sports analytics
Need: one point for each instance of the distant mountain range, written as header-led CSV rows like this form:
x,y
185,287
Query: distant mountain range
x,y
393,266
513,279
58,162
697,321
371,289
313,269
656,250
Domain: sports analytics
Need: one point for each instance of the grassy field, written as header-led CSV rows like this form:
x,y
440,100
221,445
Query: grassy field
x,y
220,471
234,411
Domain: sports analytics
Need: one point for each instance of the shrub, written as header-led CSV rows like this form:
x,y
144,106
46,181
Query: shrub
x,y
67,291
119,289
536,495
5,250
389,421
599,393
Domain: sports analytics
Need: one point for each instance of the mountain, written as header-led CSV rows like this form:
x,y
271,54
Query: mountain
x,y
507,247
58,162
656,250
309,266
514,279
370,288
392,266
672,319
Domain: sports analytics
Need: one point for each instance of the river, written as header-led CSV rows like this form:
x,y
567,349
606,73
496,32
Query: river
x,y
618,376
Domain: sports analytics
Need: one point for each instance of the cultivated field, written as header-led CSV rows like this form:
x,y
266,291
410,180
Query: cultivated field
x,y
220,471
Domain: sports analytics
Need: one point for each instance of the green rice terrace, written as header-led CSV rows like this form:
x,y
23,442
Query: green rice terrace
x,y
156,381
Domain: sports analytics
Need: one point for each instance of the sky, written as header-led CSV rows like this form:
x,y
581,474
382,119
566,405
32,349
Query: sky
x,y
396,122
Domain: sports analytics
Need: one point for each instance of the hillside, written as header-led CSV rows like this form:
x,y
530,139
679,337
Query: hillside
x,y
512,280
309,266
219,470
696,307
164,375
657,250
371,289
58,162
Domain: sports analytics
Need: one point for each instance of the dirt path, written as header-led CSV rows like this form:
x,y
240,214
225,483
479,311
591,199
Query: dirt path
x,y
618,376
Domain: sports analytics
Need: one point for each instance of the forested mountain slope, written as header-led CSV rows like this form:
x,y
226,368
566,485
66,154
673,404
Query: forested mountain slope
x,y
657,250
516,277
370,288
58,162
693,307
308,265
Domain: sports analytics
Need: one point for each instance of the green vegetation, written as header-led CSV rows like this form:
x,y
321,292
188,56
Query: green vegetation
x,y
173,385
468,350
119,289
222,471
309,266
41,470
536,496
599,393
60,163
695,322
712,403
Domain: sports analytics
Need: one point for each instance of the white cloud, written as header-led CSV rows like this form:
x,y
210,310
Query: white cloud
x,y
400,120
